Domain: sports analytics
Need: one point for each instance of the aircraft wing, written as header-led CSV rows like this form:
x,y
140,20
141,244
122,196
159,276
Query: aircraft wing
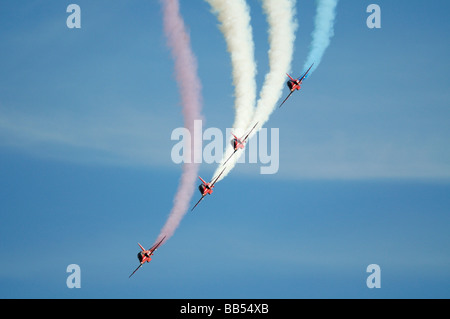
x,y
217,178
198,203
306,73
135,270
286,98
229,157
248,134
154,247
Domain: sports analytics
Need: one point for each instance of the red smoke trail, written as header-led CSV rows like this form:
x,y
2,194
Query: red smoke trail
x,y
190,91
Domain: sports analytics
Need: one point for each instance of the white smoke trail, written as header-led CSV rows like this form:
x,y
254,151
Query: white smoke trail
x,y
234,18
282,27
281,19
323,32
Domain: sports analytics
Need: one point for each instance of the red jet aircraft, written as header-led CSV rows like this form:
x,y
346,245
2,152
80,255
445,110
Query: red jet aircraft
x,y
206,188
145,255
295,84
238,143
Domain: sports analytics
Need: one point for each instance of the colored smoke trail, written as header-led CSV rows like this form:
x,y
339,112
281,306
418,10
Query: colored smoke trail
x,y
282,27
190,91
323,32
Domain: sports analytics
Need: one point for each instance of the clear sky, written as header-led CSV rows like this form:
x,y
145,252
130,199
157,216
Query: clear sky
x,y
86,172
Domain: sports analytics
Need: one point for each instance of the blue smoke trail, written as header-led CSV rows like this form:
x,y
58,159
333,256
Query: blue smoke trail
x,y
323,32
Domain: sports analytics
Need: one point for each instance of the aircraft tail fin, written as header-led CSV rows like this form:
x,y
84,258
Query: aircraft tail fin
x,y
290,77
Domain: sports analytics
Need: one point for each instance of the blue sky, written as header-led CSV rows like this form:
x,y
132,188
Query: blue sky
x,y
85,122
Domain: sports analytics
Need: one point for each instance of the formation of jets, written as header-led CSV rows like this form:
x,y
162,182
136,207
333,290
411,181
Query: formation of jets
x,y
239,143
207,188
